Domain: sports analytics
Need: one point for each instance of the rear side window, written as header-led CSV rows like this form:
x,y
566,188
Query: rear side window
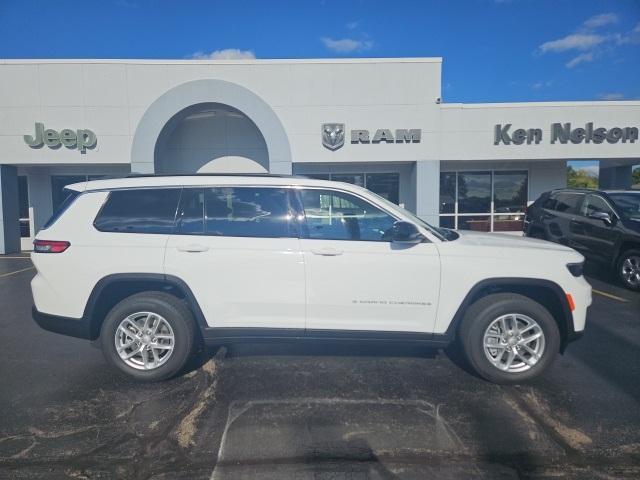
x,y
236,212
139,211
568,202
69,197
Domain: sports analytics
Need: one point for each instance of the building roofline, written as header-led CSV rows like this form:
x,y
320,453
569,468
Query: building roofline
x,y
257,61
586,103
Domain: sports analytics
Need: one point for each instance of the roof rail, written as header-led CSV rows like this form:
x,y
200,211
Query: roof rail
x,y
274,175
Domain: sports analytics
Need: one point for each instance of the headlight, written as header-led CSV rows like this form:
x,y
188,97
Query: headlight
x,y
576,268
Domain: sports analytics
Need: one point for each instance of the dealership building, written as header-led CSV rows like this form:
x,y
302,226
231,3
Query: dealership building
x,y
379,123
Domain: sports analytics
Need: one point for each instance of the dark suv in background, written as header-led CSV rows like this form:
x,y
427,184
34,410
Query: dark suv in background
x,y
602,225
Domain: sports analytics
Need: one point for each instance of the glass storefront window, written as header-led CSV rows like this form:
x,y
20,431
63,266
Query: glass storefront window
x,y
477,223
500,196
448,193
509,192
23,206
387,185
354,178
474,192
508,223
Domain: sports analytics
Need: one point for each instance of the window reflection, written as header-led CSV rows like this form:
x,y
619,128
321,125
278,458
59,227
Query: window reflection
x,y
474,192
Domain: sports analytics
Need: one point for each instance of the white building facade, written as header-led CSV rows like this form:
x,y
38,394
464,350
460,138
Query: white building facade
x,y
375,122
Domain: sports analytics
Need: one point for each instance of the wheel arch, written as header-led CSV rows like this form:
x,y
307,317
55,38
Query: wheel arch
x,y
546,292
114,288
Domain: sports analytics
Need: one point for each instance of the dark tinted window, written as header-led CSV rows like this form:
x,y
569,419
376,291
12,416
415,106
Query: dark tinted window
x,y
474,192
139,211
594,204
550,202
568,202
70,196
628,204
510,192
334,215
236,212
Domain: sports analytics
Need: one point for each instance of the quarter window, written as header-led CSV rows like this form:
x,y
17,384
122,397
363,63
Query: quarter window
x,y
332,215
139,211
236,212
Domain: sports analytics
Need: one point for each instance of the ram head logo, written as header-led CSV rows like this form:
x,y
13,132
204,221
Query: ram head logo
x,y
333,135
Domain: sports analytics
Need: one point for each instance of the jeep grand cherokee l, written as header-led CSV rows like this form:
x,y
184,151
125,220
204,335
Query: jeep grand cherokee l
x,y
151,266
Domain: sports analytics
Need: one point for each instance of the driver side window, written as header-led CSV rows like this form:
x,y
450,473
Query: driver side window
x,y
332,215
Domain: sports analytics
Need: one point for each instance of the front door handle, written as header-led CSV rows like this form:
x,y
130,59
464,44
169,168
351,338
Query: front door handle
x,y
327,252
193,248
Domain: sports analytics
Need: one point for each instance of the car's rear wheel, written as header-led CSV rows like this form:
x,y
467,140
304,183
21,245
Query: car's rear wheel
x,y
509,338
628,269
149,336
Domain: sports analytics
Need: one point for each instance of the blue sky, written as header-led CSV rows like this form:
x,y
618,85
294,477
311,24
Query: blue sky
x,y
493,50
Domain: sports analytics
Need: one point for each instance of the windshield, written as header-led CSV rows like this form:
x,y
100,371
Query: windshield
x,y
443,234
627,204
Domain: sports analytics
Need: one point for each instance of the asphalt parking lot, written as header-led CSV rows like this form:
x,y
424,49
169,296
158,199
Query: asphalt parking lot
x,y
321,412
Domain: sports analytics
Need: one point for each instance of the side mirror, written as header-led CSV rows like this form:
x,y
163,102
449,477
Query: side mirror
x,y
604,216
406,232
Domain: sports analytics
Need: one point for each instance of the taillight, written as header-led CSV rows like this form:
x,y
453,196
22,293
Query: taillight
x,y
50,246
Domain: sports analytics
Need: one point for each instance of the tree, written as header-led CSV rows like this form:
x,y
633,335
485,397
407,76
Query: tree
x,y
581,179
635,178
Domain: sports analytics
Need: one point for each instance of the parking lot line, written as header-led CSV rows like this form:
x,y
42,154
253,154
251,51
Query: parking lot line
x,y
26,258
17,271
608,295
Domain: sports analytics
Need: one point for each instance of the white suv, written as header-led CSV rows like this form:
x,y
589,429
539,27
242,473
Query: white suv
x,y
153,265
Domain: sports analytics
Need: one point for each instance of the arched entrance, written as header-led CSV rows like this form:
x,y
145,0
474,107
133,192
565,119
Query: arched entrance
x,y
258,141
210,138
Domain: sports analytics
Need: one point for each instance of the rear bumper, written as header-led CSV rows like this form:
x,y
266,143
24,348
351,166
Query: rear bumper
x,y
72,327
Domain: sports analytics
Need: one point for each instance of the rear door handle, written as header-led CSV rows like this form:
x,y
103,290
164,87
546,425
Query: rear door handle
x,y
327,252
194,247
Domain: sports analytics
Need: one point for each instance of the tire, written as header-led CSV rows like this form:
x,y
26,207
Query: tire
x,y
483,317
173,319
629,262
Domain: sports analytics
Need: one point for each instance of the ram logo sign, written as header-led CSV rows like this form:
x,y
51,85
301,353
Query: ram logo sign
x,y
333,135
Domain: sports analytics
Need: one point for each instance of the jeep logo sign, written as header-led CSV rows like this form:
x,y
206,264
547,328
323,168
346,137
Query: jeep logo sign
x,y
80,139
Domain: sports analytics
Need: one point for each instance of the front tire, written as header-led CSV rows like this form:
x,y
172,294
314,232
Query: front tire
x,y
509,338
628,269
148,336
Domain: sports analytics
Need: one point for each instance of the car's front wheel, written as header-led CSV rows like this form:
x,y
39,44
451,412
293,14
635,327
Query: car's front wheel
x,y
148,336
629,269
509,338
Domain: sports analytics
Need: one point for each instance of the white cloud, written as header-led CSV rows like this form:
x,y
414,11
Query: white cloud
x,y
582,58
353,25
601,20
346,45
611,96
575,41
224,54
632,37
541,84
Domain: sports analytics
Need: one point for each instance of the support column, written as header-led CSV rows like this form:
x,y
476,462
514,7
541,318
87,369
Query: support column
x,y
40,201
614,176
425,177
9,219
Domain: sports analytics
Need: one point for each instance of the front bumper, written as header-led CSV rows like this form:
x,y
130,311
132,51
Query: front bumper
x,y
72,327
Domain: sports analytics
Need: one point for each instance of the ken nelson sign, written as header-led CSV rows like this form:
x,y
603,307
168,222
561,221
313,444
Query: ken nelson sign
x,y
80,139
564,133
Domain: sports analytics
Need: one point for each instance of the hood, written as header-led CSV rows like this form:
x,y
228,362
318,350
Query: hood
x,y
502,240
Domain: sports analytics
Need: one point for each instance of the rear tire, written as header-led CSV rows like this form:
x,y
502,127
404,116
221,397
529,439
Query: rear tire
x,y
130,343
628,269
508,323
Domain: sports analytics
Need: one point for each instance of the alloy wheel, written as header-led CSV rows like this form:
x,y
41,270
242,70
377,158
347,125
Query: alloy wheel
x,y
631,271
514,343
144,340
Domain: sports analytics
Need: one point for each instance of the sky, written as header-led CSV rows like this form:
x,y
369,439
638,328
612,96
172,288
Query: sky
x,y
493,50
